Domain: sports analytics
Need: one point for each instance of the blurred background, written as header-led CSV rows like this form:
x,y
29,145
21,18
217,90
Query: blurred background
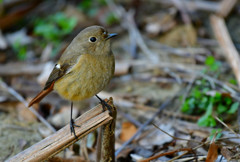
x,y
175,59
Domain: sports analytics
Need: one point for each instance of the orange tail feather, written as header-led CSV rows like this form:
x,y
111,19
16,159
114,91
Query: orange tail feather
x,y
41,95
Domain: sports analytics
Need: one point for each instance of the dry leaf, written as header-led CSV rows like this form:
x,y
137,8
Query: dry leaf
x,y
212,153
128,130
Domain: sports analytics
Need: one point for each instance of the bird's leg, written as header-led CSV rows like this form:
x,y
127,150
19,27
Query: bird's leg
x,y
104,104
72,124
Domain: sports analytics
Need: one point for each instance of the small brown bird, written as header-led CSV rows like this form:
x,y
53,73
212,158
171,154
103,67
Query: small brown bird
x,y
84,69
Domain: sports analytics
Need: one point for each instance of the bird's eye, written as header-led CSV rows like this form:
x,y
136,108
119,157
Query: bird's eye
x,y
93,39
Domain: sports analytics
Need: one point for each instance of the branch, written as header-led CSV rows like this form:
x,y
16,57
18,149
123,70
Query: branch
x,y
62,139
222,35
21,99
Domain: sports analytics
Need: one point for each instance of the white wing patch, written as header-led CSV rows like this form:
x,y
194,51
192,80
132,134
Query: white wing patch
x,y
58,66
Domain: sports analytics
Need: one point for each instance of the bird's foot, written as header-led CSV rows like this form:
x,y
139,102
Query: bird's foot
x,y
106,105
72,125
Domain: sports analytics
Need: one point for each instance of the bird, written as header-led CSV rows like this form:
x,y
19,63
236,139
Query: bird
x,y
84,69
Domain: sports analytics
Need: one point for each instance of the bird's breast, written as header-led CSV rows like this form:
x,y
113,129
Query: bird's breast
x,y
88,77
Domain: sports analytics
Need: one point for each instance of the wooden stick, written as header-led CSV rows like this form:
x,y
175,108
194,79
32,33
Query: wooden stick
x,y
108,138
62,139
226,43
225,7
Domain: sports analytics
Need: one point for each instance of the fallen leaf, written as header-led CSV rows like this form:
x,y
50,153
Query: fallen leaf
x,y
212,153
128,130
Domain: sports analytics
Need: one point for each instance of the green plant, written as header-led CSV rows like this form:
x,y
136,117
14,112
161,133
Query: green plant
x,y
233,81
212,64
218,135
111,19
199,102
20,50
91,8
54,27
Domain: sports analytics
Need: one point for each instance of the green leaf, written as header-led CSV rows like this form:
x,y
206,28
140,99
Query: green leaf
x,y
233,81
209,60
197,94
185,108
111,19
85,5
48,31
228,100
65,23
221,109
20,50
233,108
210,107
203,103
212,64
206,121
214,131
217,97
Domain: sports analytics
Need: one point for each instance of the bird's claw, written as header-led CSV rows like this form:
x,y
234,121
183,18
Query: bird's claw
x,y
72,125
106,105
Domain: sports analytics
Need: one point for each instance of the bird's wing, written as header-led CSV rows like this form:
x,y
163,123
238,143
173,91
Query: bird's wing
x,y
64,65
57,72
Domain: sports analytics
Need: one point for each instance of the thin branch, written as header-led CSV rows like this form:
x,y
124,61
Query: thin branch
x,y
195,148
225,125
225,7
222,35
21,99
176,138
144,125
129,24
166,153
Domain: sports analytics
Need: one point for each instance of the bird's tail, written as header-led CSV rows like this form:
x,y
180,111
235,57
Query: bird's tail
x,y
41,95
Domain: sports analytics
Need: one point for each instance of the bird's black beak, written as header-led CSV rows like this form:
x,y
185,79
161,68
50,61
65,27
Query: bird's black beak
x,y
111,35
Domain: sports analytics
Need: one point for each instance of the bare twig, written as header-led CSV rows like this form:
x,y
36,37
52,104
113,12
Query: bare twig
x,y
10,69
195,148
21,99
203,5
62,139
129,24
225,125
225,7
144,125
226,43
166,153
176,138
129,118
181,5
